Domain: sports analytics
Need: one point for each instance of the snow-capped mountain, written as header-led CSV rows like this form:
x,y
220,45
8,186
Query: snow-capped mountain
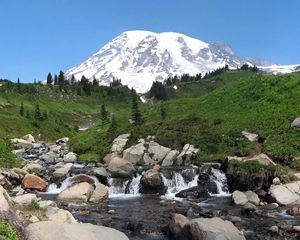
x,y
140,57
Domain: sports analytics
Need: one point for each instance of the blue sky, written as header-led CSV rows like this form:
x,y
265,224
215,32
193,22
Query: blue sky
x,y
41,36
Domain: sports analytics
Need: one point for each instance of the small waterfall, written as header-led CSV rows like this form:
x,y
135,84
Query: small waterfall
x,y
119,190
221,180
177,183
53,189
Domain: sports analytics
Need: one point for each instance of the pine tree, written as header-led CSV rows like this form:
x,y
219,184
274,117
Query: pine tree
x,y
73,80
49,79
112,131
28,114
55,79
18,85
61,78
103,113
37,114
45,115
135,112
22,112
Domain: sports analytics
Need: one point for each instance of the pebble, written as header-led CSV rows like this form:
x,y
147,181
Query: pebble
x,y
296,228
111,211
272,205
235,219
274,229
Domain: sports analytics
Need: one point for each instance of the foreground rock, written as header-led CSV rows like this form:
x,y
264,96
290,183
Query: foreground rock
x,y
120,168
49,230
242,198
100,194
177,223
60,215
212,229
151,183
119,143
135,153
78,192
286,194
34,182
25,199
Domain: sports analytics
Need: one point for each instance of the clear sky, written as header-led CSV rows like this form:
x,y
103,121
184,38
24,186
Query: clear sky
x,y
41,36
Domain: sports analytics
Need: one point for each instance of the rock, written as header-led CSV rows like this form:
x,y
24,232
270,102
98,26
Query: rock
x,y
109,157
133,225
156,167
252,197
252,137
121,168
151,182
49,230
296,228
189,174
177,223
157,152
78,192
70,157
119,143
276,181
212,229
296,123
47,203
135,153
60,215
239,198
274,229
194,192
49,157
235,219
82,178
29,138
294,211
21,143
62,172
34,219
34,182
249,206
272,206
100,173
286,194
170,158
33,167
148,160
4,200
25,199
188,153
63,140
99,194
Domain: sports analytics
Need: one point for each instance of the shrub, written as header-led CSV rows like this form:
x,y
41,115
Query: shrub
x,y
7,232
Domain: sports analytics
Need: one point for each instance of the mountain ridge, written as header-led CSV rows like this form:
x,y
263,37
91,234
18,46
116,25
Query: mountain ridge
x,y
141,57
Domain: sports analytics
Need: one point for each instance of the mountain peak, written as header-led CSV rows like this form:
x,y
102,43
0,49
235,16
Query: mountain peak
x,y
140,57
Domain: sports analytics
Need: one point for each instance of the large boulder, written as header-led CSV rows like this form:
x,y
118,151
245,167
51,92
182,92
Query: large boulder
x,y
287,194
296,122
239,198
252,137
4,200
119,143
25,199
33,167
135,153
60,215
49,230
21,143
157,152
177,224
170,158
188,153
78,192
70,157
151,183
121,168
34,182
100,193
252,197
212,229
29,138
62,172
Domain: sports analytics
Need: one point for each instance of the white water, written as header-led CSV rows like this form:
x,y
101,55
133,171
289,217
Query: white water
x,y
220,179
177,184
119,190
53,189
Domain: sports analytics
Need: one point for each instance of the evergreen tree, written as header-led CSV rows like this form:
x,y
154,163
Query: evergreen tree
x,y
103,113
49,79
45,115
61,78
112,131
18,85
135,112
37,114
55,79
95,82
158,91
22,112
73,81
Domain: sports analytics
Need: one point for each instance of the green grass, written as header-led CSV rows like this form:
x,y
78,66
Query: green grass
x,y
7,158
7,232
